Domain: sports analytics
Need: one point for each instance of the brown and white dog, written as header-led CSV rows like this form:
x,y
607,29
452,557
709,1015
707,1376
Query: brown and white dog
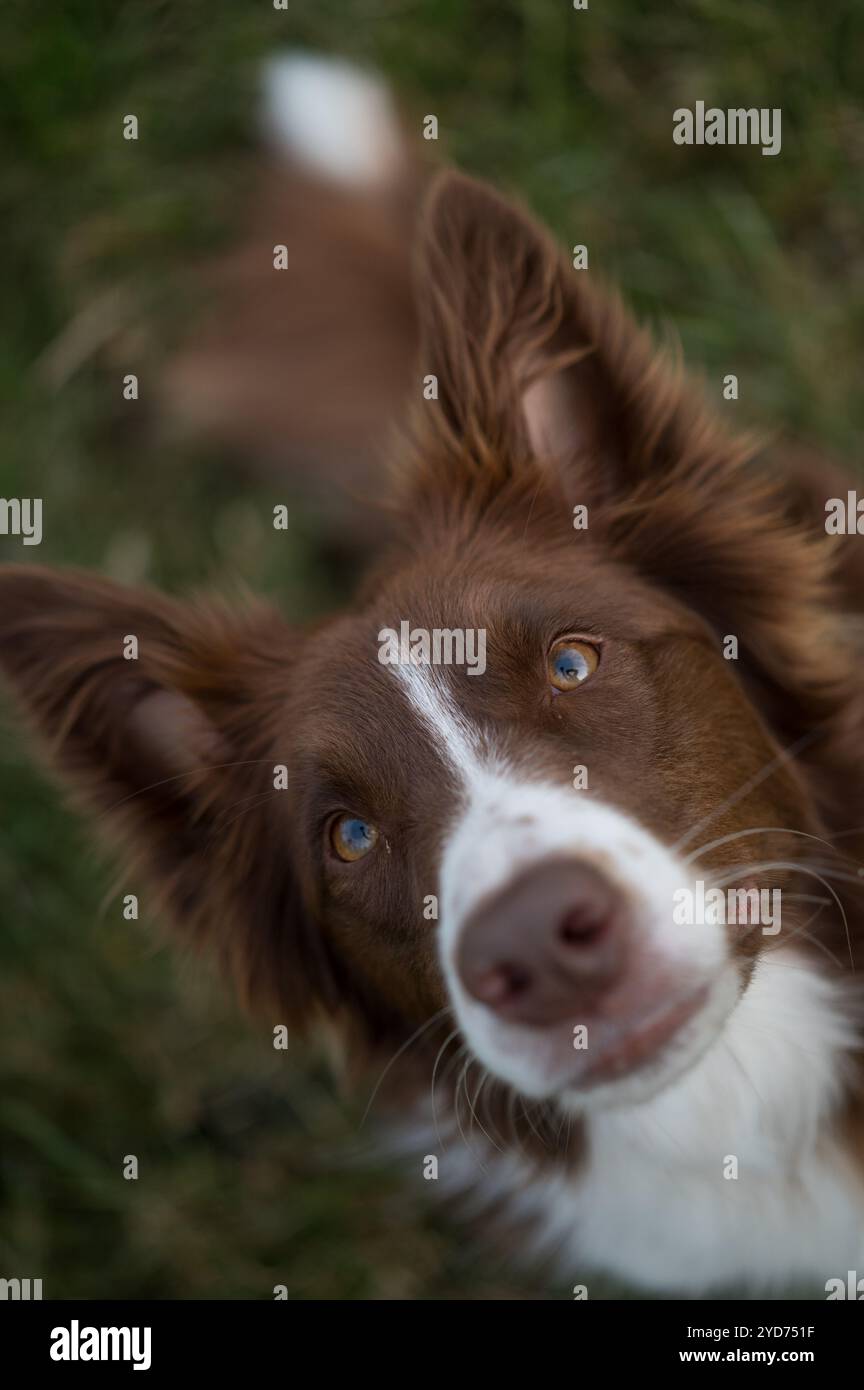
x,y
483,865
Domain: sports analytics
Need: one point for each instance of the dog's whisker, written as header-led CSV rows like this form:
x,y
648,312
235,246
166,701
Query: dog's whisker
x,y
242,801
446,1043
785,755
754,830
489,1093
733,872
805,936
738,871
473,1108
511,1120
807,869
534,1130
461,1085
844,834
400,1052
179,777
258,800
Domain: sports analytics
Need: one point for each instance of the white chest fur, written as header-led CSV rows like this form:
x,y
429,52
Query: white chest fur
x,y
731,1177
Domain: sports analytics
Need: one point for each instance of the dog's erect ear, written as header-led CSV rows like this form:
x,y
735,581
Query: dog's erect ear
x,y
163,717
530,357
542,374
538,362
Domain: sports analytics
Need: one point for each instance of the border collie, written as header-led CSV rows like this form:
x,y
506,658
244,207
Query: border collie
x,y
474,879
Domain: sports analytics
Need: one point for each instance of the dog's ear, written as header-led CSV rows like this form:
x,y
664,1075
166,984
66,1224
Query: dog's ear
x,y
162,717
544,377
529,357
539,362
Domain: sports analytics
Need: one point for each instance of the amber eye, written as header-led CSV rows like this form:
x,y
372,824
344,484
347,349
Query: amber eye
x,y
352,837
570,662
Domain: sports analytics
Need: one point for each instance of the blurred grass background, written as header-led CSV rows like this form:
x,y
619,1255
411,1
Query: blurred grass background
x,y
109,1047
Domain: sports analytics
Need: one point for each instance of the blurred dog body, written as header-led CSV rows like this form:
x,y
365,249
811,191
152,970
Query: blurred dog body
x,y
303,371
471,881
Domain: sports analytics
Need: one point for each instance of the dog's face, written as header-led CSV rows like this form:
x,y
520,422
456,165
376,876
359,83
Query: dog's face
x,y
512,842
375,837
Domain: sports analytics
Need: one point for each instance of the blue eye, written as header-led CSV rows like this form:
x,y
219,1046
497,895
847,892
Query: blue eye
x,y
352,837
571,662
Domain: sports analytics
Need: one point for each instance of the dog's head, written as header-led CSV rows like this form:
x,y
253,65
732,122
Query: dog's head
x,y
596,671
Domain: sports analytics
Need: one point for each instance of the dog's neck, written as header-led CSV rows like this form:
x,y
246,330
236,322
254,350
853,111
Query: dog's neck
x,y
749,1143
768,1084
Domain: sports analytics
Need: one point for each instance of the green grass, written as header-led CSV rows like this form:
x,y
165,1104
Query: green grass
x,y
109,1047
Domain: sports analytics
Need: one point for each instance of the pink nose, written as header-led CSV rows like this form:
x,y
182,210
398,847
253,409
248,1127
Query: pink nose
x,y
547,947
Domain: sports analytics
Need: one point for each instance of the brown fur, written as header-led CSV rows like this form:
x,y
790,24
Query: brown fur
x,y
691,537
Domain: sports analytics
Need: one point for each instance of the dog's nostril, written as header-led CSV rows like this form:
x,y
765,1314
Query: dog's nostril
x,y
582,925
501,984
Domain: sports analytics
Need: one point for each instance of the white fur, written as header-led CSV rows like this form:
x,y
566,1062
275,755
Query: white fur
x,y
458,743
765,1093
756,1077
507,823
334,117
510,824
652,1206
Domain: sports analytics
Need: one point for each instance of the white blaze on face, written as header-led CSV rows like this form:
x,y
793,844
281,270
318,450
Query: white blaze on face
x,y
505,823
